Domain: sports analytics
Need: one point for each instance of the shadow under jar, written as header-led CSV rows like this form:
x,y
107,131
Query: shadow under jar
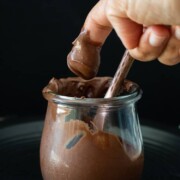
x,y
87,137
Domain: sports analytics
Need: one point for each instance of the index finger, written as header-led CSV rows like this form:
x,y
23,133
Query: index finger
x,y
97,23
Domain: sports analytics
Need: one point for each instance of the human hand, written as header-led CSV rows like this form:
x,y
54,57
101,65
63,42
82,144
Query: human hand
x,y
148,29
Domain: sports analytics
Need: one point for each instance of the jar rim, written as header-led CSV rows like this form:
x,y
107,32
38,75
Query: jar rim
x,y
122,99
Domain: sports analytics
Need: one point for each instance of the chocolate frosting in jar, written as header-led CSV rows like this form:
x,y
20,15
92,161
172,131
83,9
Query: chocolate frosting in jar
x,y
80,154
78,87
72,150
84,58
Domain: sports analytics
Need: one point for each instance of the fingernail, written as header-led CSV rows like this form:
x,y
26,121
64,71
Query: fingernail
x,y
156,40
177,33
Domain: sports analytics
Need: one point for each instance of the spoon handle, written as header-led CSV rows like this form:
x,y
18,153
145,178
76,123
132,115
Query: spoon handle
x,y
115,87
120,75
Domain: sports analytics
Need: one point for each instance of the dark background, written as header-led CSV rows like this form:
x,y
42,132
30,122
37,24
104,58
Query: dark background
x,y
35,38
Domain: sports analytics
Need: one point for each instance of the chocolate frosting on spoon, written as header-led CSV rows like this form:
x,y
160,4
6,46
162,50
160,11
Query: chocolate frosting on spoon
x,y
84,58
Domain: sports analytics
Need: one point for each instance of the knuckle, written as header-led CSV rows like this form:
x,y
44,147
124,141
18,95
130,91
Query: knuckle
x,y
169,62
116,8
171,55
110,8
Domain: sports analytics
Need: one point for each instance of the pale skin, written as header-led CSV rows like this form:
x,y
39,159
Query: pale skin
x,y
149,29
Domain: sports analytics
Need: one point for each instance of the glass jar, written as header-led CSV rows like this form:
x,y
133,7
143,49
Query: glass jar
x,y
91,138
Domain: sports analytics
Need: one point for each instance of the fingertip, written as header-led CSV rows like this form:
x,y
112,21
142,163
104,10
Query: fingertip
x,y
158,35
177,32
160,30
156,40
